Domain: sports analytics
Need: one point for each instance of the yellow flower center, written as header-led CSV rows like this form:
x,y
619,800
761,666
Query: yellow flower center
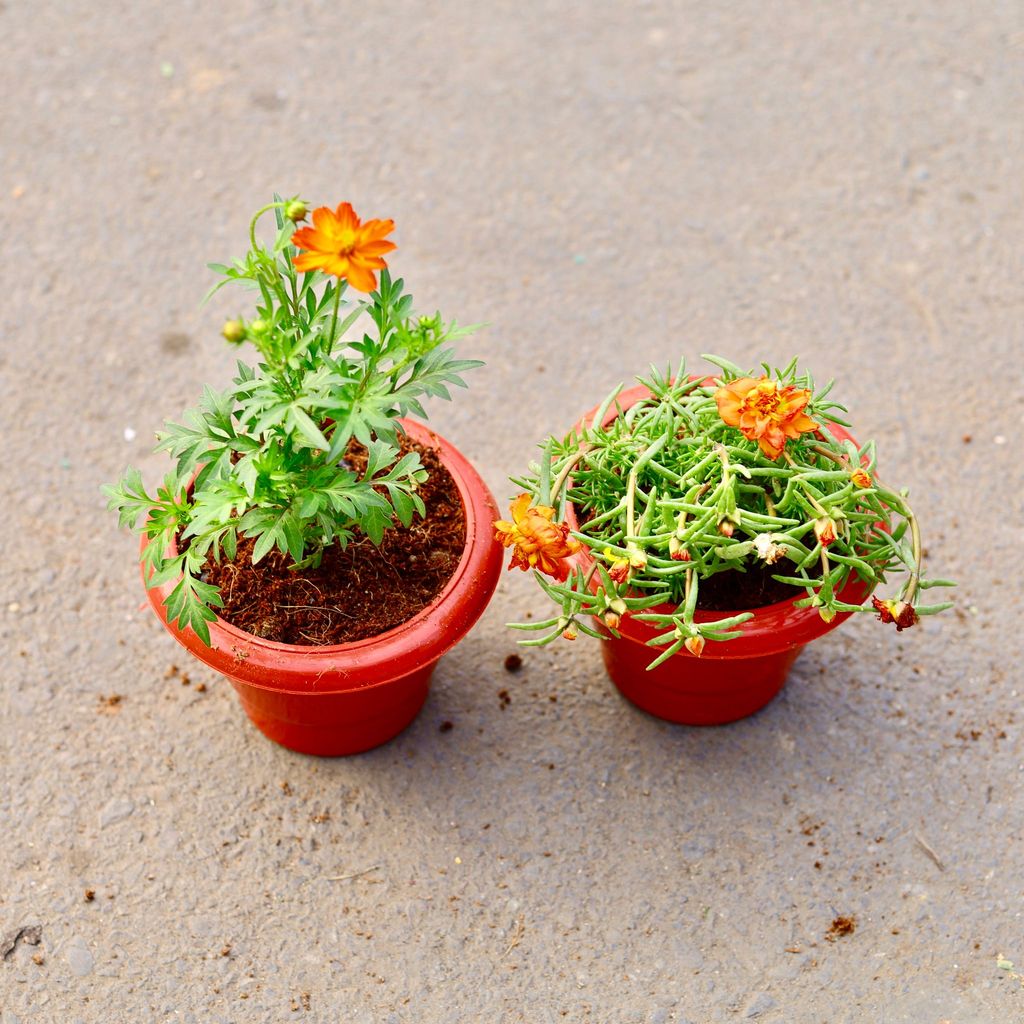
x,y
347,242
764,398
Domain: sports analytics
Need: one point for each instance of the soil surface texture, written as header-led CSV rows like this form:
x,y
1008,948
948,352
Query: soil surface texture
x,y
358,591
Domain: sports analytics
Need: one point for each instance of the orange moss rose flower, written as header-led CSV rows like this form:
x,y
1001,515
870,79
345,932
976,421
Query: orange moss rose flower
x,y
538,542
339,244
764,412
861,477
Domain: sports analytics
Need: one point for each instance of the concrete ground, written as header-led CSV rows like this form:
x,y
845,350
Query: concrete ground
x,y
607,185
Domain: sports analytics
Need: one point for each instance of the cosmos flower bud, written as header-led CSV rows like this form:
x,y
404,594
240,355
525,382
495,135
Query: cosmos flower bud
x,y
258,326
233,331
295,211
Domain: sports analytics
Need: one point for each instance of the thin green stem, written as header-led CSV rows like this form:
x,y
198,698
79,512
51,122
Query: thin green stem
x,y
334,313
563,474
255,217
915,577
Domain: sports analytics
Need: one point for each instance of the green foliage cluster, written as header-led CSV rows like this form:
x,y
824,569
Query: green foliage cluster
x,y
668,494
265,457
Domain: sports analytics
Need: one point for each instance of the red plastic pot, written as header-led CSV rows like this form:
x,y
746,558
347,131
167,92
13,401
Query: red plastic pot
x,y
347,698
731,679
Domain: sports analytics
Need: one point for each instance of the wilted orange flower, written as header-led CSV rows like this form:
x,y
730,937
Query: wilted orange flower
x,y
899,612
538,542
764,412
339,244
619,567
825,530
676,551
861,477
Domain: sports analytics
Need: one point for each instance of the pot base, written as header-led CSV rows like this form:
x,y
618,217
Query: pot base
x,y
696,691
335,724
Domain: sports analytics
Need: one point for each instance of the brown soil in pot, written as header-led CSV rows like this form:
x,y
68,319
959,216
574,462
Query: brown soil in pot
x,y
357,592
733,591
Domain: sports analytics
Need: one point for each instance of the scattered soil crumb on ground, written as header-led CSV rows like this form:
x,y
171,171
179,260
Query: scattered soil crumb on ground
x,y
841,926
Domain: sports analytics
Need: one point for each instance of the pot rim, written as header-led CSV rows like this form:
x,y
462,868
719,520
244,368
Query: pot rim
x,y
419,641
774,628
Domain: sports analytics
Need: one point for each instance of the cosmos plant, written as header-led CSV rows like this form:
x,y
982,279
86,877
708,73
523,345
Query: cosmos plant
x,y
340,355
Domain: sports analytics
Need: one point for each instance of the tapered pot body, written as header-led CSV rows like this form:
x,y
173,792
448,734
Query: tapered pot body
x,y
347,698
731,679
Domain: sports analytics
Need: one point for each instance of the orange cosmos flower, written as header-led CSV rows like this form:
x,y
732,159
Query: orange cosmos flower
x,y
339,244
538,542
764,412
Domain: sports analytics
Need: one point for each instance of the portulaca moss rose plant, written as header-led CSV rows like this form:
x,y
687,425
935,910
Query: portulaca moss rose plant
x,y
726,493
268,459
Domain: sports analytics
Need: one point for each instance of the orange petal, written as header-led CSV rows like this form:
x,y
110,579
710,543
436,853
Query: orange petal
x,y
367,262
306,261
324,218
345,216
375,229
309,238
503,526
519,507
360,278
728,406
376,247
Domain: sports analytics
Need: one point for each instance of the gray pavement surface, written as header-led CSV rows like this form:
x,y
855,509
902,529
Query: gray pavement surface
x,y
608,185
